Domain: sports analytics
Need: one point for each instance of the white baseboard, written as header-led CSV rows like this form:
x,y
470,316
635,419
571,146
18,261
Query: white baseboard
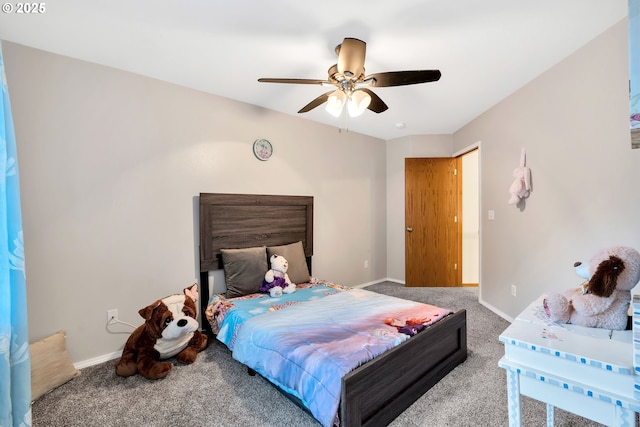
x,y
496,311
97,360
386,279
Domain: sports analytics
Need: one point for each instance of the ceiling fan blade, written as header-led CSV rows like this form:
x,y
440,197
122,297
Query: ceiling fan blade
x,y
316,102
295,81
376,105
401,78
351,55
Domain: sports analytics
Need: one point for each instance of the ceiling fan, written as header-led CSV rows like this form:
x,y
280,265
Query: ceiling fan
x,y
353,85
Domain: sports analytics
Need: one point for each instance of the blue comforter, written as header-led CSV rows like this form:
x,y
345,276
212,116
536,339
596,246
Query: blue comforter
x,y
313,337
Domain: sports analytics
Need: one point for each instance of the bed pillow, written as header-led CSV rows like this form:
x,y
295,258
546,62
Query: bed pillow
x,y
244,270
50,364
294,253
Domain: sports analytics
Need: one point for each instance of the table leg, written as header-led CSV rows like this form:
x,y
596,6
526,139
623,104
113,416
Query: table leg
x,y
550,415
625,417
513,398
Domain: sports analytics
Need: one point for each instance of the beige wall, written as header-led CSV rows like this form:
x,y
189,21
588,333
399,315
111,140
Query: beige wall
x,y
111,165
573,122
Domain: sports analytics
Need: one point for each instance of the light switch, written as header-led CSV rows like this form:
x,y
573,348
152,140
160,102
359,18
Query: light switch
x,y
491,215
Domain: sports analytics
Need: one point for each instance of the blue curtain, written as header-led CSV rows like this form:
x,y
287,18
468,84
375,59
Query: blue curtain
x,y
15,365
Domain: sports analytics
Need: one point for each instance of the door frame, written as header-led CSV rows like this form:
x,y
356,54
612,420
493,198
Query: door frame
x,y
458,154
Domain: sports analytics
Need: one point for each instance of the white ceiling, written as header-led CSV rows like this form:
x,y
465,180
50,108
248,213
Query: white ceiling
x,y
485,50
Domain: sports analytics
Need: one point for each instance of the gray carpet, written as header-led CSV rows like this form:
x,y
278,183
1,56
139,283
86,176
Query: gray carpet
x,y
217,391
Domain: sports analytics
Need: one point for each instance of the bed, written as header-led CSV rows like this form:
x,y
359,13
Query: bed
x,y
373,393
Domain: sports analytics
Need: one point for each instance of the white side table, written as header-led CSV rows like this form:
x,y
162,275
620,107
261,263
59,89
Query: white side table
x,y
586,371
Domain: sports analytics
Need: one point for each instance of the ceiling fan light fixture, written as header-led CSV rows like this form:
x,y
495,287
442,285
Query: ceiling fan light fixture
x,y
335,103
358,102
348,76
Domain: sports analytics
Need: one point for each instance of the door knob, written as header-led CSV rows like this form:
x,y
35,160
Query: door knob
x,y
409,229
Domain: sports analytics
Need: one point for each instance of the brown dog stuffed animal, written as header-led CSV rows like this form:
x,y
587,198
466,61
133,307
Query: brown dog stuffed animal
x,y
603,302
170,329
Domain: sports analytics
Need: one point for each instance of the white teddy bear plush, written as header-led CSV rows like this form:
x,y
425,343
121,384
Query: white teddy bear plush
x,y
521,186
276,281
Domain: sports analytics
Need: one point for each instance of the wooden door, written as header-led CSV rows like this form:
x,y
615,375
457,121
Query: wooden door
x,y
432,222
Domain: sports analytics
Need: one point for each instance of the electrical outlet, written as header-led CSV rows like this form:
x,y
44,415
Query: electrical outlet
x,y
513,290
112,316
366,263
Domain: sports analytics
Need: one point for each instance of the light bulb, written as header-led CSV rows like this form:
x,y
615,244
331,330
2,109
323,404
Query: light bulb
x,y
335,102
358,102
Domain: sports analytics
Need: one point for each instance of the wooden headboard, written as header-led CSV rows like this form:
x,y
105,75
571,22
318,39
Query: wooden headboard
x,y
233,221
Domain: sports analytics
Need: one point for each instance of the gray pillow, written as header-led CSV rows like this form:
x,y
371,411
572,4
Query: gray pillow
x,y
244,270
294,253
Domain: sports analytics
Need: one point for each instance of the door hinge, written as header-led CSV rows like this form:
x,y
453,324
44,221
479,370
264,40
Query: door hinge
x,y
455,171
455,218
455,266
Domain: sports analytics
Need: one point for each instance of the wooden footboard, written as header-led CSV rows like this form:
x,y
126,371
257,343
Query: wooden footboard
x,y
377,392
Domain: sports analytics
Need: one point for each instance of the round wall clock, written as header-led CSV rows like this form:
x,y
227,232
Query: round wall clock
x,y
262,149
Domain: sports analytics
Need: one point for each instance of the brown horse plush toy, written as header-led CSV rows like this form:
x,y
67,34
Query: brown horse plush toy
x,y
170,329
